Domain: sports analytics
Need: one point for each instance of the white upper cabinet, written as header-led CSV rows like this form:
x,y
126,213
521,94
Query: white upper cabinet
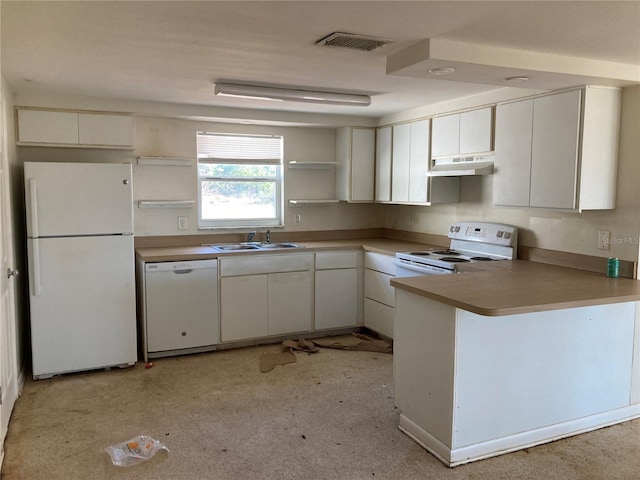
x,y
75,129
410,157
463,133
35,126
558,151
383,165
512,161
103,129
355,154
401,149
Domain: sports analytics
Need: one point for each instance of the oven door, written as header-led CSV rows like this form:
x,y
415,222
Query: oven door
x,y
406,268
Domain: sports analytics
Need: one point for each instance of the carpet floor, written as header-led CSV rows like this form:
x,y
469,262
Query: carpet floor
x,y
330,415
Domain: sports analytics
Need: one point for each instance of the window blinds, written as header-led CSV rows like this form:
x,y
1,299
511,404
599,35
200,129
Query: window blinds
x,y
233,148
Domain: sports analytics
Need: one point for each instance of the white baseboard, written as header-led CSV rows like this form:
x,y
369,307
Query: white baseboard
x,y
491,448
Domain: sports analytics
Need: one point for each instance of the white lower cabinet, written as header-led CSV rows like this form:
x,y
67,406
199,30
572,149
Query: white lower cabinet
x,y
379,295
243,307
337,289
265,295
289,305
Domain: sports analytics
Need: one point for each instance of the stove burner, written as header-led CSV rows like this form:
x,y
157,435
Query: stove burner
x,y
446,252
481,259
454,259
421,254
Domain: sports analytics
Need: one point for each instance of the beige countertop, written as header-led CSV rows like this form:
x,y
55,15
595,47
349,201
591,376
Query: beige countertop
x,y
379,245
519,286
492,288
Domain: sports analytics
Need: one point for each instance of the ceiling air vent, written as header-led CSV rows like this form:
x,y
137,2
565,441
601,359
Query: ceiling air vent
x,y
351,40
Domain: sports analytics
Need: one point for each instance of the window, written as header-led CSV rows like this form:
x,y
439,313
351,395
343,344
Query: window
x,y
239,180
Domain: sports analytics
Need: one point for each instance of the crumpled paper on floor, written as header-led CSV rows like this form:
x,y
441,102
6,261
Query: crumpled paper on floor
x,y
356,341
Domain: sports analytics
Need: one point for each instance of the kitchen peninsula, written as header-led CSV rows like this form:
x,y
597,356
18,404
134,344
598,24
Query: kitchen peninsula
x,y
494,361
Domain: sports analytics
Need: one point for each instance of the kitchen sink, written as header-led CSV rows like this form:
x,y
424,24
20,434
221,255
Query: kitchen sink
x,y
279,245
234,247
247,246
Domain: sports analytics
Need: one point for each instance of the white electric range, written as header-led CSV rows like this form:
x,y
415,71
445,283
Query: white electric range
x,y
471,242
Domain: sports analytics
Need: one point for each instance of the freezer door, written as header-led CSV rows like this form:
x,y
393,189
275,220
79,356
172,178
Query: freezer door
x,y
65,199
83,312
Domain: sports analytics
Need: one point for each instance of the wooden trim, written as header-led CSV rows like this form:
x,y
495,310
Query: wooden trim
x,y
589,263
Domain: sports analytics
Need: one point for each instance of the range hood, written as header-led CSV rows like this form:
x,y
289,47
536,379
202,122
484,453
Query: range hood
x,y
461,166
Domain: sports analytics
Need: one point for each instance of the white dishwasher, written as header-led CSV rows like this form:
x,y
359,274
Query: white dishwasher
x,y
180,307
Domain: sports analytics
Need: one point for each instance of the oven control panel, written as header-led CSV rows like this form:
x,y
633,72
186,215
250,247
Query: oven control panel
x,y
484,232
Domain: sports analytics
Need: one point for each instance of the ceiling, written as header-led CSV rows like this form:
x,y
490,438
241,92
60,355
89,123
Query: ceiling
x,y
174,52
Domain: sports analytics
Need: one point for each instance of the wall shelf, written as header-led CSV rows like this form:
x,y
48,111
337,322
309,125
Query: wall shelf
x,y
312,203
166,161
166,203
312,165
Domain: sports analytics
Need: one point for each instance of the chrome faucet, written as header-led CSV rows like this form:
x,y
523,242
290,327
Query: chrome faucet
x,y
250,235
268,236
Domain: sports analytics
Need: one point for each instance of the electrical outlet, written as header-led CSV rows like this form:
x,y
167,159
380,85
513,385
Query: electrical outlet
x,y
297,220
182,223
604,237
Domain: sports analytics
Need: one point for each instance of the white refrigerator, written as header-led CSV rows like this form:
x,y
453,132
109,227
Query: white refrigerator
x,y
81,266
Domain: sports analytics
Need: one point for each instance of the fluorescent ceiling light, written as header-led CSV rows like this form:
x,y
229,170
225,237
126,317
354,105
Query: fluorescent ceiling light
x,y
291,95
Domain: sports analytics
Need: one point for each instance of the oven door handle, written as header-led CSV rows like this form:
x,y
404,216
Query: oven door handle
x,y
424,270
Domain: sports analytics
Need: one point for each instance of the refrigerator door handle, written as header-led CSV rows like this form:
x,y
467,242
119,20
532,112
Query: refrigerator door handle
x,y
33,197
35,257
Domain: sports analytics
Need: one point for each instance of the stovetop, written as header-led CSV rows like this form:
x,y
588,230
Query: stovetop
x,y
449,256
471,242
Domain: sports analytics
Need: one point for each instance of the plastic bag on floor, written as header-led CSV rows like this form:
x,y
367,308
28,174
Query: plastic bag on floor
x,y
134,451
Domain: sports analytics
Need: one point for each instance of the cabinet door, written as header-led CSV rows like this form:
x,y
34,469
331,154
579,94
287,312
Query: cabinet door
x,y
476,128
355,154
378,317
377,287
512,161
383,165
554,157
289,302
363,144
336,298
43,126
243,307
418,160
445,136
104,129
400,163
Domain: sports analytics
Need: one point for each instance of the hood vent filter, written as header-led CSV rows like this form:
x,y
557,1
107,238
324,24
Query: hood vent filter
x,y
353,41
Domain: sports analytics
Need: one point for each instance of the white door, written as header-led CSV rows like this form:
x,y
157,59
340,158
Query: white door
x,y
289,308
336,298
82,302
78,199
8,342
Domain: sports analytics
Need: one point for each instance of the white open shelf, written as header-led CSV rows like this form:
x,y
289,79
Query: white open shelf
x,y
166,161
166,203
312,203
316,165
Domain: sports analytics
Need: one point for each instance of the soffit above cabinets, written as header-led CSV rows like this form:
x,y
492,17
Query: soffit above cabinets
x,y
490,65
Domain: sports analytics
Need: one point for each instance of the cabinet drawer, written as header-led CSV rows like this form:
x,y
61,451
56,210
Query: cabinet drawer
x,y
376,287
380,262
378,317
331,260
257,264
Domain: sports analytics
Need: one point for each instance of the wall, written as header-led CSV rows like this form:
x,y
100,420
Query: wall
x,y
161,136
563,231
157,134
